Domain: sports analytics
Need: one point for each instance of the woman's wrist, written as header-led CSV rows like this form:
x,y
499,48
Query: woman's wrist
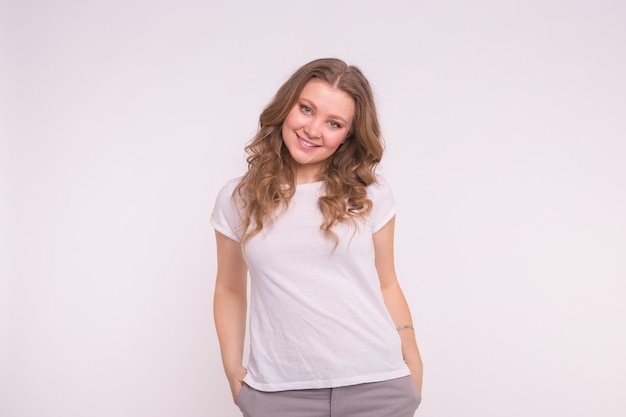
x,y
235,372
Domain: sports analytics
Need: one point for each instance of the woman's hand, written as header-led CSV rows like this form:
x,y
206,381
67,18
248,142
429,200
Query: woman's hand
x,y
416,373
235,379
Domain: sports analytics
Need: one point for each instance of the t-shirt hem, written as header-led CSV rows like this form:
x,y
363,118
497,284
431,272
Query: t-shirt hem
x,y
329,383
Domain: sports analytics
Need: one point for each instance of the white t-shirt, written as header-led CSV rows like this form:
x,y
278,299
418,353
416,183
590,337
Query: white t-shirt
x,y
317,315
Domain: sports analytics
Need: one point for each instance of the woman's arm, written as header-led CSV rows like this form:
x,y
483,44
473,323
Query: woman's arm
x,y
229,308
395,300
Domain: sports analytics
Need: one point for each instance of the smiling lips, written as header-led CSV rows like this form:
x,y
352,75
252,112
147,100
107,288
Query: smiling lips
x,y
306,143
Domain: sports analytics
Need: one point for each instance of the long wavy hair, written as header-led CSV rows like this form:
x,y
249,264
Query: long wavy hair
x,y
269,183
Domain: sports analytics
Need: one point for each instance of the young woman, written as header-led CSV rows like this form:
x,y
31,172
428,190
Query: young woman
x,y
313,225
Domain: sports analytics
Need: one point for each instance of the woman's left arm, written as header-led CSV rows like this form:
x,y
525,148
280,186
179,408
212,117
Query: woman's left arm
x,y
394,299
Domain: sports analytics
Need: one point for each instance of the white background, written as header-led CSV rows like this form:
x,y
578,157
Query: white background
x,y
505,129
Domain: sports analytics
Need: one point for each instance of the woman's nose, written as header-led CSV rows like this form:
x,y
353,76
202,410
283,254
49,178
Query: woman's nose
x,y
312,129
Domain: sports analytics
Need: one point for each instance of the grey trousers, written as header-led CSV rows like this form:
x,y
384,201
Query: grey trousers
x,y
393,398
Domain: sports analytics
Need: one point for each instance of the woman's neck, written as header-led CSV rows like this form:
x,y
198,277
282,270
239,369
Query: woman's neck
x,y
305,174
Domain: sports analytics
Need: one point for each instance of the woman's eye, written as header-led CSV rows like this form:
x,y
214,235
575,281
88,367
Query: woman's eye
x,y
305,109
335,124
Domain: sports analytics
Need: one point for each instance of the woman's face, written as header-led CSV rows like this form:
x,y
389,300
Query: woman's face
x,y
316,126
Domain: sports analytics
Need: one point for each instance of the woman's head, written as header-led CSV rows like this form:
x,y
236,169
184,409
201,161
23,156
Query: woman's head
x,y
316,126
362,148
341,95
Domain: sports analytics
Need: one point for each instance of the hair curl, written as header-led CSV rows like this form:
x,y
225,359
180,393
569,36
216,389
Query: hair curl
x,y
269,183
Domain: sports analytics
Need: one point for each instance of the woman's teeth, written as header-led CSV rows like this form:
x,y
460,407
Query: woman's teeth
x,y
306,143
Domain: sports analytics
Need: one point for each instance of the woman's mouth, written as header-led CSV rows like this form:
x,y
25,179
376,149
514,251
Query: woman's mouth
x,y
306,143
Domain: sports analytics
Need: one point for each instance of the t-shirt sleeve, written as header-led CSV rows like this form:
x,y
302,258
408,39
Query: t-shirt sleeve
x,y
384,204
225,218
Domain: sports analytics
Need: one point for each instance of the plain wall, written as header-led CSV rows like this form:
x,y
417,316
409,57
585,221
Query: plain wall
x,y
505,131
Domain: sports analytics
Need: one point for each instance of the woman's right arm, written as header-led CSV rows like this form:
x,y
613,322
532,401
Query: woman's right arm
x,y
229,308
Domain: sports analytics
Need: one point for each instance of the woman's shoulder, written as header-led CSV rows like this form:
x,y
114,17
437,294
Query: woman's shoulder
x,y
231,184
380,186
383,203
226,192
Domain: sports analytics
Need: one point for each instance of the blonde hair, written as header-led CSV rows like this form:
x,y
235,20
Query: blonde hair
x,y
269,182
